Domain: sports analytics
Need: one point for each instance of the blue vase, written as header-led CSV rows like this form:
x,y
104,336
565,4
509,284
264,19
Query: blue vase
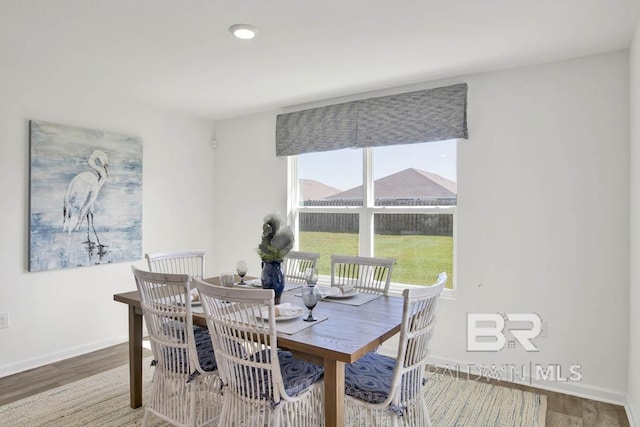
x,y
273,278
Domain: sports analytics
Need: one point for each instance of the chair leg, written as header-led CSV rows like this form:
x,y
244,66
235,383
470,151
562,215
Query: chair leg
x,y
425,413
276,416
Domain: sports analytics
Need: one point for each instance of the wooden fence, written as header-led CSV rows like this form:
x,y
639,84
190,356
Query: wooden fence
x,y
391,224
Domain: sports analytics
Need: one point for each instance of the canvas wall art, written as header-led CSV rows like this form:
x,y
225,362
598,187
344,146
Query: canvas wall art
x,y
85,197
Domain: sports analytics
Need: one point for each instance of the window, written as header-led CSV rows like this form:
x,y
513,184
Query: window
x,y
397,202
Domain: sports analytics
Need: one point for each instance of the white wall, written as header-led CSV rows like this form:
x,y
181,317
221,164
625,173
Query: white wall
x,y
57,314
250,182
633,397
543,218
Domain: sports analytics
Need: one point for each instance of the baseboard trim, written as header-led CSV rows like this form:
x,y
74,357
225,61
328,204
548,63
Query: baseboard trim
x,y
36,362
578,389
630,414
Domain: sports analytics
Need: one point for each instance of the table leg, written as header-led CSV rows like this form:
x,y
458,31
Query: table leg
x,y
333,393
135,358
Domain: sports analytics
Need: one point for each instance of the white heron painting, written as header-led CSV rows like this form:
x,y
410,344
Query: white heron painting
x,y
86,197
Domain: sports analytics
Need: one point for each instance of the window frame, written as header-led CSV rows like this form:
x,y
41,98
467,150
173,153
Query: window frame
x,y
366,214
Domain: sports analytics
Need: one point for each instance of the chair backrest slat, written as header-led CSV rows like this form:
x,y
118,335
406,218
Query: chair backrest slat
x,y
418,321
244,338
166,308
366,274
179,262
295,264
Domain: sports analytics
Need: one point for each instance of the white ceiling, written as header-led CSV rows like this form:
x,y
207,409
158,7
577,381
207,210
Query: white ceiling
x,y
178,54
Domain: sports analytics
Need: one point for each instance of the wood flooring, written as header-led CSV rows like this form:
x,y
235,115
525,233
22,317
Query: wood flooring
x,y
562,410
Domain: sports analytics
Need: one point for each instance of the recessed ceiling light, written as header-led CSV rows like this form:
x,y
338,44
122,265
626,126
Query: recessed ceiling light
x,y
243,31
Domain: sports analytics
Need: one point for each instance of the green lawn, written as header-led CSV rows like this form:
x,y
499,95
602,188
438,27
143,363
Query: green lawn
x,y
419,258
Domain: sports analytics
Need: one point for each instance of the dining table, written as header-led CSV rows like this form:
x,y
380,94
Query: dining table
x,y
343,334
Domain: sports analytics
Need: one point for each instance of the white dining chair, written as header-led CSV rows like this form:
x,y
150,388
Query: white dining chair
x,y
365,274
186,382
262,385
383,391
189,262
296,263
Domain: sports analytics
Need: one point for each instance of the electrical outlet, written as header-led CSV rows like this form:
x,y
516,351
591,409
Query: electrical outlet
x,y
4,320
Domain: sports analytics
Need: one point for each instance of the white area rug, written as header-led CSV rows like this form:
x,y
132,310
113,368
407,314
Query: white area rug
x,y
103,400
465,402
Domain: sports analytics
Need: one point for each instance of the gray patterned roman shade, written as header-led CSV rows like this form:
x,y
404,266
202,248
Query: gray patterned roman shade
x,y
407,118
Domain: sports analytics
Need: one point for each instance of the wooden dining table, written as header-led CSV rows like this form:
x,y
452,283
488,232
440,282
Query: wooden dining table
x,y
348,333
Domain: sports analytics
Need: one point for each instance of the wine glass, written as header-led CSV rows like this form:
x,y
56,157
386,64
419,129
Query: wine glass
x,y
311,276
241,268
310,294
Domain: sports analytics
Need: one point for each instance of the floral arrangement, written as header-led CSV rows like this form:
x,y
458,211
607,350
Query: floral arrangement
x,y
277,241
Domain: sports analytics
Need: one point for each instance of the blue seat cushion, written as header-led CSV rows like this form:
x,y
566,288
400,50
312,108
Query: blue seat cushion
x,y
204,347
297,375
369,379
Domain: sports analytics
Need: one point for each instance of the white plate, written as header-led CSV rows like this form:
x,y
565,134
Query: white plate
x,y
256,283
241,285
265,315
349,294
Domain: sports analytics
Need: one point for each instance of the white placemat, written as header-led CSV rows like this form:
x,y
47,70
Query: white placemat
x,y
291,286
358,299
256,284
292,326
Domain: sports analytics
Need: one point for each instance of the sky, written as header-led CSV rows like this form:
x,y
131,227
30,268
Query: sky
x,y
342,169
